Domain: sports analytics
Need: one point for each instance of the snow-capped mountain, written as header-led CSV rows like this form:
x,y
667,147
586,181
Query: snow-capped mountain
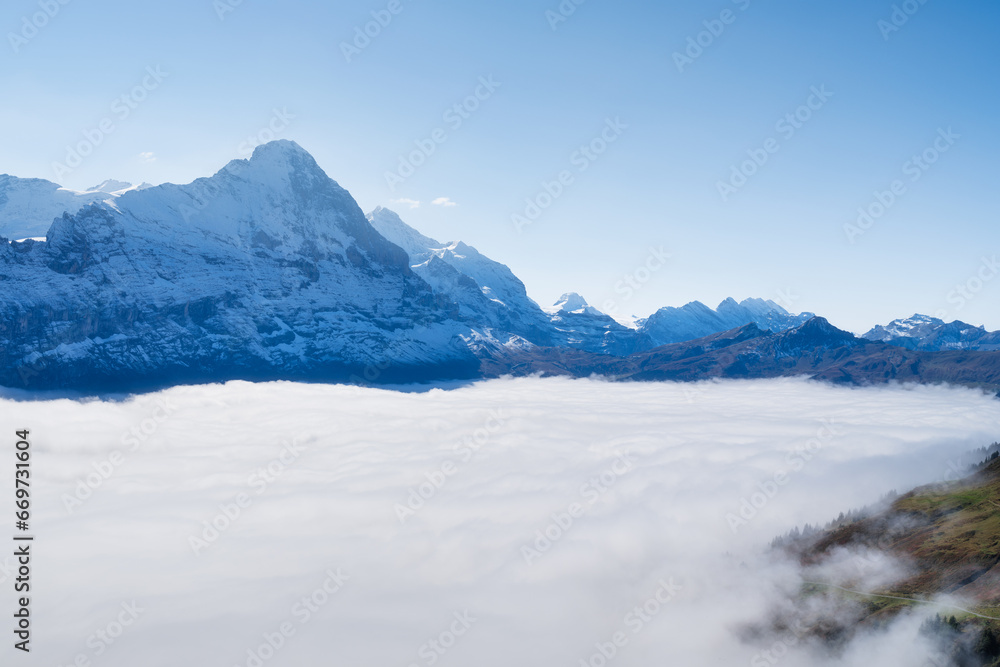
x,y
574,304
695,320
922,332
583,327
488,294
29,205
495,302
814,349
117,188
268,269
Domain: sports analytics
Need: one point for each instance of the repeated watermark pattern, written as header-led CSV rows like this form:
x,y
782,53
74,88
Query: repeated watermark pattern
x,y
258,482
913,170
435,480
280,121
714,28
562,522
580,160
302,612
786,128
122,108
33,24
633,281
454,117
796,461
900,16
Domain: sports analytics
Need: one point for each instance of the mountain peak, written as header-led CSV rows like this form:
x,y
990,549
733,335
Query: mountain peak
x,y
388,223
571,302
818,332
729,302
280,149
276,162
923,332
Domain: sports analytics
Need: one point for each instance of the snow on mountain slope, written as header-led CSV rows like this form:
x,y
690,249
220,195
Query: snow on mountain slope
x,y
270,270
487,291
29,205
571,302
695,320
583,327
922,332
490,295
113,187
267,269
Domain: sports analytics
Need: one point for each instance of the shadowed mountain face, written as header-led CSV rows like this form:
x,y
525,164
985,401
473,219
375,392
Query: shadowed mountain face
x,y
269,270
815,349
266,270
921,332
487,292
695,320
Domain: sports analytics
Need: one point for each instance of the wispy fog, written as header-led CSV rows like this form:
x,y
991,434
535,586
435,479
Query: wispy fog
x,y
515,522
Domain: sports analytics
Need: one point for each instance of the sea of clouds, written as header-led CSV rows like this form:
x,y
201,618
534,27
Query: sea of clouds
x,y
530,522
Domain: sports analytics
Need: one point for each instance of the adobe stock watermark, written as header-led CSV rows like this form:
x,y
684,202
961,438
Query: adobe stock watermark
x,y
32,25
562,13
562,522
281,119
900,16
635,621
104,469
786,127
102,639
913,169
224,7
435,480
786,298
714,29
796,460
303,611
781,647
435,648
121,108
581,159
454,117
259,481
632,282
363,35
967,291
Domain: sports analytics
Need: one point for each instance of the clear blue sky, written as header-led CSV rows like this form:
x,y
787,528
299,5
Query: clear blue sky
x,y
656,185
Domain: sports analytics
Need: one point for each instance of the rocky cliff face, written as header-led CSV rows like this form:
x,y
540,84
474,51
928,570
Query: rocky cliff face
x,y
488,294
267,270
921,332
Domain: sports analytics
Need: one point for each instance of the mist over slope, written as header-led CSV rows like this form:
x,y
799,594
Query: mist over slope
x,y
546,510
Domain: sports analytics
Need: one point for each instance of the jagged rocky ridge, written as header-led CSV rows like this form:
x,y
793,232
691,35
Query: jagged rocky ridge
x,y
266,270
921,332
269,270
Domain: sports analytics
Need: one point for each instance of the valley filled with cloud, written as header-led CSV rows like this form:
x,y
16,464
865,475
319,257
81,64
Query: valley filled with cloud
x,y
536,522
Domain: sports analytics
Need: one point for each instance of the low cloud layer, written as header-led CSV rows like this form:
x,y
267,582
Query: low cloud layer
x,y
513,522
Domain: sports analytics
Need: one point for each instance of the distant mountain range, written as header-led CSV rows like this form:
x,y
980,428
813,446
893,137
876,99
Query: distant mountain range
x,y
815,349
921,332
270,270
